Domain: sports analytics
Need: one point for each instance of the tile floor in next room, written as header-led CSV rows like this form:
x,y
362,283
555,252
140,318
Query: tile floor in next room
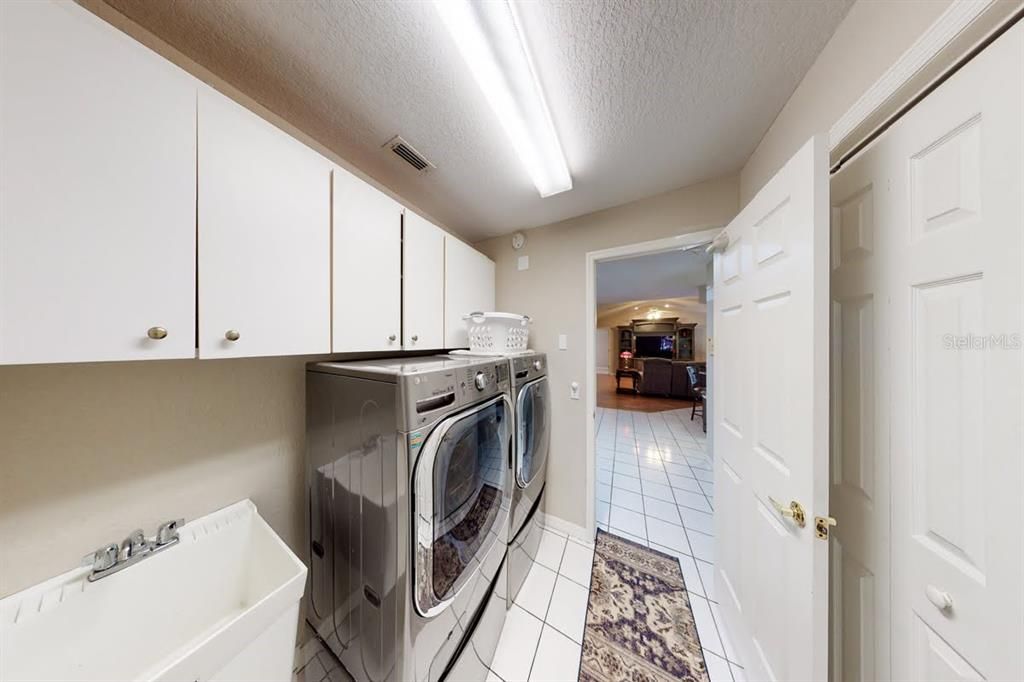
x,y
655,487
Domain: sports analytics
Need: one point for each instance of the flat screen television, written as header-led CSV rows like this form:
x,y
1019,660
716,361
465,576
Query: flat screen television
x,y
654,346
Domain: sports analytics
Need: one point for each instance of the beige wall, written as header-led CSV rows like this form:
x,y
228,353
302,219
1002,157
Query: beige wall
x,y
89,452
872,36
687,309
552,291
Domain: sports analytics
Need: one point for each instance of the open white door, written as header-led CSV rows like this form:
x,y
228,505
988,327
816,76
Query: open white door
x,y
771,422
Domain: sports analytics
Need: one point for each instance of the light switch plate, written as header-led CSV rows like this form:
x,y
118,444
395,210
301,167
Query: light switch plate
x,y
524,262
563,342
574,391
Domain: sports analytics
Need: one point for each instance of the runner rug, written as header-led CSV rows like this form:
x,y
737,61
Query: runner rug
x,y
639,622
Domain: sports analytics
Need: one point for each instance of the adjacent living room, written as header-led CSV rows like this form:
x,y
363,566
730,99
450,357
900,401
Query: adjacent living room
x,y
652,332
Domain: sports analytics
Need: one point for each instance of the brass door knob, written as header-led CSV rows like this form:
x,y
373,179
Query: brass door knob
x,y
794,511
232,335
156,333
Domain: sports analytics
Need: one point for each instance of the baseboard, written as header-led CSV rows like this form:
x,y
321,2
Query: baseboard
x,y
564,527
603,370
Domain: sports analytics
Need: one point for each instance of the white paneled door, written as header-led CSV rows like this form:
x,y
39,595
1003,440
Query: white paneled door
x,y
955,231
422,284
859,493
771,393
97,192
264,237
367,267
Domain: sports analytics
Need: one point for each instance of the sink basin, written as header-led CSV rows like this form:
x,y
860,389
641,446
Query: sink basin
x,y
222,604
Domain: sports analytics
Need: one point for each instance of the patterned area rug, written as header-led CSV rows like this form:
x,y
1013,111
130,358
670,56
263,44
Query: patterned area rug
x,y
639,622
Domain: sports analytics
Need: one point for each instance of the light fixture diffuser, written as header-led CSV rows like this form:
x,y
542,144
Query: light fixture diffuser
x,y
490,38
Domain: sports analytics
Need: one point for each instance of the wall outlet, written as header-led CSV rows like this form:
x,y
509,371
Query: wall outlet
x,y
524,262
574,391
563,342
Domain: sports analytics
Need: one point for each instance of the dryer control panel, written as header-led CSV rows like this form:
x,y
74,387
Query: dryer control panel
x,y
432,395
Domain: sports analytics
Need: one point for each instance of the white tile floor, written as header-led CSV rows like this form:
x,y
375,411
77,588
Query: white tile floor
x,y
543,633
655,486
314,663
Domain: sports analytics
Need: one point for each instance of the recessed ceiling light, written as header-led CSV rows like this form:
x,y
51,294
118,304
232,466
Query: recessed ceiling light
x,y
490,38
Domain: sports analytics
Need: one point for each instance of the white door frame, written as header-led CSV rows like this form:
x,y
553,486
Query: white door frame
x,y
702,235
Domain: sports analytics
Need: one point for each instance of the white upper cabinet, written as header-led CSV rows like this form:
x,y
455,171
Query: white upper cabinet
x,y
367,267
264,237
468,287
423,284
97,192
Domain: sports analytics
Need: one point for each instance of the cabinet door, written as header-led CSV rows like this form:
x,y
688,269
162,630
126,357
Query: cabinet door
x,y
97,192
264,237
468,287
367,267
422,284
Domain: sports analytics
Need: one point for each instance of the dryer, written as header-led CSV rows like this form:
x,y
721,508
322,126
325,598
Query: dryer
x,y
410,485
531,400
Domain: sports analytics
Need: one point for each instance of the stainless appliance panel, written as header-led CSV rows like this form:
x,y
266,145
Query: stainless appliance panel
x,y
359,478
522,551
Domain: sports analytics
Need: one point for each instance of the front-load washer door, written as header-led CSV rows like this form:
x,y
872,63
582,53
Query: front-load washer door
x,y
533,415
460,506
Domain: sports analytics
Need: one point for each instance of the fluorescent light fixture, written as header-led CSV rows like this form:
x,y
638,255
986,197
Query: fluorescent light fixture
x,y
489,36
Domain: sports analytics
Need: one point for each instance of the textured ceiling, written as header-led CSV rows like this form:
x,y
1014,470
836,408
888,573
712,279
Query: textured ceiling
x,y
647,95
670,274
611,314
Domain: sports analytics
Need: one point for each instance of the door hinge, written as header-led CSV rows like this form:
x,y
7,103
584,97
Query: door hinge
x,y
821,526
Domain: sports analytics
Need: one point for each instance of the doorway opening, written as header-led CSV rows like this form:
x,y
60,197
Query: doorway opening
x,y
651,333
650,456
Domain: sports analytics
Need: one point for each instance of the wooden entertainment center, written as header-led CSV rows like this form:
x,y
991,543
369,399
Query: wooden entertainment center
x,y
682,333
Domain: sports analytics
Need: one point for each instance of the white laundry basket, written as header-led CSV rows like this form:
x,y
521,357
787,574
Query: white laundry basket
x,y
497,332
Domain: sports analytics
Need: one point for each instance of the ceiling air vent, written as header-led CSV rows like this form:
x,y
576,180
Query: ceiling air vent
x,y
408,154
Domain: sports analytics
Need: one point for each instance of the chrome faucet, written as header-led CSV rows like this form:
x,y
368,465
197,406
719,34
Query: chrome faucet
x,y
112,558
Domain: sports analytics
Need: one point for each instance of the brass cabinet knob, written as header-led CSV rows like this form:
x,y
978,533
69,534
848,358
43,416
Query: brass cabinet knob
x,y
232,335
392,337
156,333
415,338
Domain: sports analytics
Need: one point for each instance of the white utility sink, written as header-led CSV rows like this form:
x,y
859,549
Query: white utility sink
x,y
222,604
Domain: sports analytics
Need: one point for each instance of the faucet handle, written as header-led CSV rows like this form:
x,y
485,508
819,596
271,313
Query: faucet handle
x,y
103,558
168,532
135,543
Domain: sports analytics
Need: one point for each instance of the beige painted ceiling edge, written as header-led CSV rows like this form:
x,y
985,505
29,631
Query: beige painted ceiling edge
x,y
182,61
